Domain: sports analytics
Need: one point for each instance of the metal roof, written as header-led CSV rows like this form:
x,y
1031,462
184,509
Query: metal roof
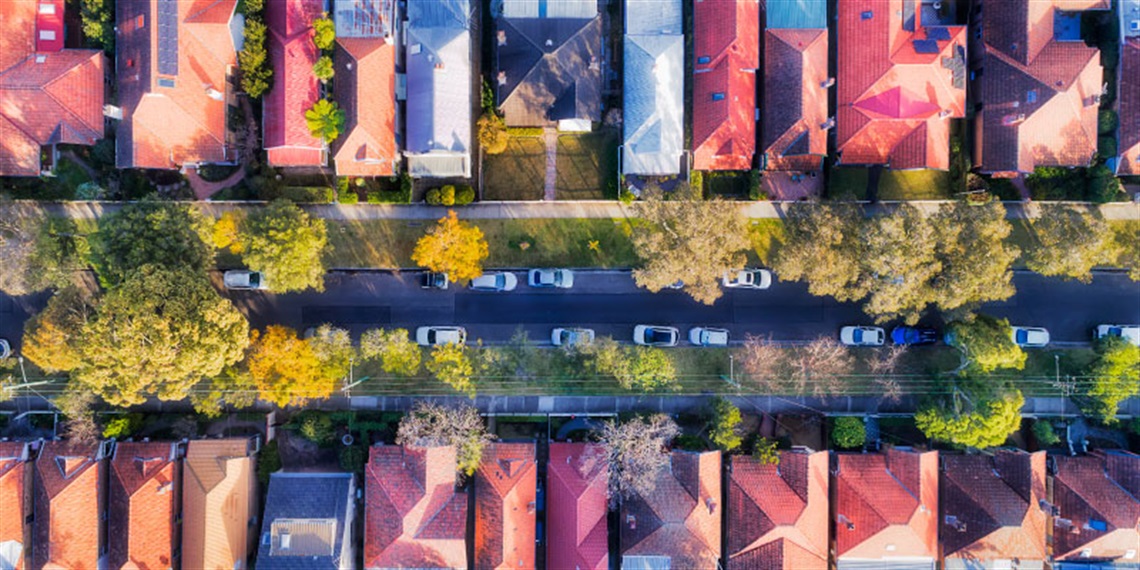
x,y
654,104
364,18
306,520
439,87
653,17
797,14
579,9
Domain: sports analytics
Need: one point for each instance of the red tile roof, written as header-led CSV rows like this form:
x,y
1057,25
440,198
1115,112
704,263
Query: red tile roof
x,y
1092,491
991,506
287,139
66,528
47,96
13,469
1039,96
886,504
413,515
576,507
727,32
777,514
367,93
793,134
141,523
1129,131
897,87
182,119
505,489
681,518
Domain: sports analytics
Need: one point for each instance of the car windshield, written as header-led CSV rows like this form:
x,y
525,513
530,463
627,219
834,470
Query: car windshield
x,y
1022,336
500,280
254,279
658,336
568,337
858,336
1116,331
431,337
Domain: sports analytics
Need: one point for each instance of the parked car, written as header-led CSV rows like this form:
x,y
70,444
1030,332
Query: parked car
x,y
1130,333
432,280
5,349
748,279
559,278
862,336
655,335
494,282
678,285
243,279
1029,337
432,336
913,336
571,336
708,336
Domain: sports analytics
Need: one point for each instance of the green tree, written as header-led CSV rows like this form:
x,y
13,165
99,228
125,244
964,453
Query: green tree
x,y
822,247
766,451
60,252
395,350
1115,377
324,71
17,243
333,347
1070,243
285,369
285,243
159,332
324,33
975,257
987,343
1043,431
900,264
987,422
724,429
450,364
326,120
234,388
452,247
52,338
492,133
433,425
848,432
641,368
253,60
162,234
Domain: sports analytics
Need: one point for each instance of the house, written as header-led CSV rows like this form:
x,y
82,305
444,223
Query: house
x,y
308,522
993,510
48,95
796,82
726,39
439,89
413,515
173,67
548,63
777,514
15,495
900,82
142,505
886,509
68,506
653,122
287,139
365,63
1128,163
219,504
576,476
1097,500
677,525
1036,86
506,485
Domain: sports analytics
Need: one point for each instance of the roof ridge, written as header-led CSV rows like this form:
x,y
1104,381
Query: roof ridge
x,y
67,108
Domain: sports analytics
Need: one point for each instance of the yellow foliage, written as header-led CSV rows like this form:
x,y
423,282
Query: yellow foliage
x,y
285,368
453,247
226,232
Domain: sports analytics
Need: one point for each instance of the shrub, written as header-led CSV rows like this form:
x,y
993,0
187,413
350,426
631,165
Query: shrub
x,y
765,451
487,97
304,194
1106,147
268,461
324,33
253,60
1107,121
447,195
323,69
1044,433
690,443
756,185
492,133
848,432
348,197
1103,186
316,427
123,426
352,458
724,428
433,197
406,185
464,195
697,183
626,197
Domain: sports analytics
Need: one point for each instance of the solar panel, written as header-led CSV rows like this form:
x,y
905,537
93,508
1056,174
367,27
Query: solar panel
x,y
925,46
939,34
168,37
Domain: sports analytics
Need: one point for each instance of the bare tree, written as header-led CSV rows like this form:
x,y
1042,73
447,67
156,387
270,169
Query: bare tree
x,y
17,242
636,451
819,366
77,405
432,425
764,362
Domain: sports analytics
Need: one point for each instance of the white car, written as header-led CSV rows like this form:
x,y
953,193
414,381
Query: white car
x,y
243,279
708,336
1029,337
432,336
560,278
862,336
748,279
655,335
1130,333
5,349
495,282
571,337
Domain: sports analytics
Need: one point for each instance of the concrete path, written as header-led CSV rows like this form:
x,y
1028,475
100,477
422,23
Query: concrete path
x,y
550,137
204,189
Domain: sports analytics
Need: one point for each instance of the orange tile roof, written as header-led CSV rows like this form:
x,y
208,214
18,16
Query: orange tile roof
x,y
886,504
219,499
681,518
171,120
576,509
1129,132
67,506
367,92
1092,491
13,496
777,514
141,513
793,133
505,489
287,139
413,516
898,85
727,32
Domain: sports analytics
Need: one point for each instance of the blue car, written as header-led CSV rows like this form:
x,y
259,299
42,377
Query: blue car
x,y
911,336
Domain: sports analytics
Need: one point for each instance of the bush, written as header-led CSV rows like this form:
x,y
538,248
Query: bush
x,y
525,131
848,432
123,426
1103,186
352,458
268,461
304,194
253,59
1106,147
697,183
1107,121
766,451
690,443
756,185
464,195
348,196
487,97
492,133
433,197
1044,433
316,427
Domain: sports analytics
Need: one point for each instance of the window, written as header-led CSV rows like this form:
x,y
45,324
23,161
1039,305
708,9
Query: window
x,y
166,82
1031,96
704,59
718,96
47,35
47,8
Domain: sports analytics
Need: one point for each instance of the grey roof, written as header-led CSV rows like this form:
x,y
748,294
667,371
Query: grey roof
x,y
652,17
654,108
583,9
796,14
549,69
313,508
439,88
364,18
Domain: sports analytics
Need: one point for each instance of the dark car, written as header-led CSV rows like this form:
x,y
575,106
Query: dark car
x,y
913,336
434,281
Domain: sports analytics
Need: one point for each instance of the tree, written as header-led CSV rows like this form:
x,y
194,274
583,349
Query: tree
x,y
17,242
162,234
285,369
1043,431
848,432
233,388
333,348
159,332
253,60
77,404
636,451
432,425
324,33
1115,377
1070,243
724,427
987,343
285,243
900,264
60,252
986,423
819,366
974,254
324,71
452,247
492,133
52,338
766,451
450,364
326,120
692,241
642,368
225,234
395,350
822,247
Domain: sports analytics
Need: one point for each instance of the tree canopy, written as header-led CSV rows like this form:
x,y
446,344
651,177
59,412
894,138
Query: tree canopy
x,y
60,252
492,133
1070,243
817,368
395,350
980,424
285,369
324,33
636,451
822,247
162,234
450,364
325,120
285,243
724,429
848,432
333,348
432,425
453,247
987,343
253,59
323,70
1114,377
640,368
52,338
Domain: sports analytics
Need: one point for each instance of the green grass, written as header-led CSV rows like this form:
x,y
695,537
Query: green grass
x,y
519,173
587,166
766,236
847,183
914,185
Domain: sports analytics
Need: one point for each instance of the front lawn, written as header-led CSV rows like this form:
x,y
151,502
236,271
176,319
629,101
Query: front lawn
x,y
587,166
847,183
915,185
519,173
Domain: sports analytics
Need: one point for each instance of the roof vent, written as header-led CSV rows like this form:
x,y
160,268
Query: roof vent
x,y
711,504
549,43
415,49
718,96
530,508
944,113
164,488
828,84
890,548
846,521
214,94
503,81
502,37
867,15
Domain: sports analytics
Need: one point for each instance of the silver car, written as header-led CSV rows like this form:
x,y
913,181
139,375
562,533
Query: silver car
x,y
708,336
432,336
862,336
1130,333
1029,337
571,337
495,282
558,278
244,279
748,279
655,335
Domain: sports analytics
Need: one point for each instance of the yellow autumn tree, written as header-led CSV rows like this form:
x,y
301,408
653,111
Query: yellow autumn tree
x,y
453,247
285,369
